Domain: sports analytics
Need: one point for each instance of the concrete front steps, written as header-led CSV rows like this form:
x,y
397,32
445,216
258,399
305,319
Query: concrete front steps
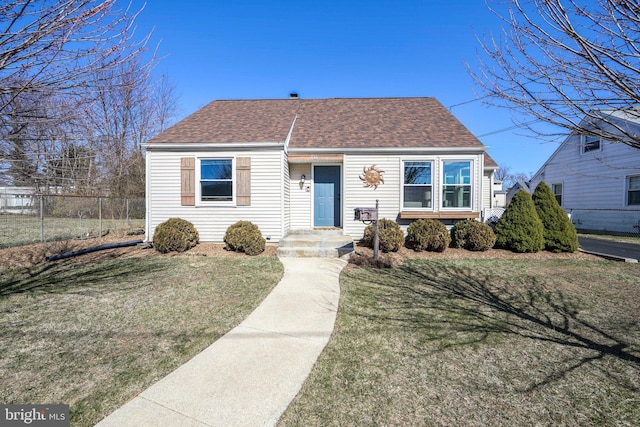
x,y
320,243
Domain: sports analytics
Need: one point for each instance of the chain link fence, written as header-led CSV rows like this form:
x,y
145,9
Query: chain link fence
x,y
615,222
618,222
27,218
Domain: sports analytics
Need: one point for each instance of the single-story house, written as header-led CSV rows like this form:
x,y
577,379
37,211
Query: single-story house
x,y
299,164
597,181
18,200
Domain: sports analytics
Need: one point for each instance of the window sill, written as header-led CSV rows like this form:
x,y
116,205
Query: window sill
x,y
439,215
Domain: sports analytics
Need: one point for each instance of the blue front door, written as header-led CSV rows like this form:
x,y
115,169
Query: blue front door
x,y
326,196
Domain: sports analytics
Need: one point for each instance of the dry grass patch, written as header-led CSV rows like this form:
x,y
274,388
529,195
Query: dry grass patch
x,y
95,331
477,342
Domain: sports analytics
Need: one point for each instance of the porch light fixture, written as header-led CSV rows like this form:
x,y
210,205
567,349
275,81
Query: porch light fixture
x,y
302,178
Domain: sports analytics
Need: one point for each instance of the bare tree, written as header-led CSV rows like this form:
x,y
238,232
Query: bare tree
x,y
502,173
55,46
77,96
130,110
570,63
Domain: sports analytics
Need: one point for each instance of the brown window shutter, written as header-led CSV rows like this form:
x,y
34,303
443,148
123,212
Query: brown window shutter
x,y
243,177
188,181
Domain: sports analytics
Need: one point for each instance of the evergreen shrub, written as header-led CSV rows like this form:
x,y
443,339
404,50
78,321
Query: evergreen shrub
x,y
520,229
244,236
459,233
428,235
390,235
473,235
175,235
559,233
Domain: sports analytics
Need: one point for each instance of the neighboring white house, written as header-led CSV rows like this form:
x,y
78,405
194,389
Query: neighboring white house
x,y
520,185
18,200
499,195
597,181
299,164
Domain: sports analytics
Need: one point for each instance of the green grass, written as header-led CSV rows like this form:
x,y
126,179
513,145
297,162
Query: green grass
x,y
478,343
93,335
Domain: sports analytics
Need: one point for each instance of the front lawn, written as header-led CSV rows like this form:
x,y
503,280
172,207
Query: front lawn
x,y
93,333
480,342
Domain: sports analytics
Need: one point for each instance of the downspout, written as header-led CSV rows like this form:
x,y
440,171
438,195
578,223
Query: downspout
x,y
147,162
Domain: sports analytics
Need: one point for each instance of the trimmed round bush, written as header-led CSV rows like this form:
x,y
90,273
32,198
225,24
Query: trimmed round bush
x,y
175,235
244,236
428,235
390,235
459,233
559,233
520,228
473,235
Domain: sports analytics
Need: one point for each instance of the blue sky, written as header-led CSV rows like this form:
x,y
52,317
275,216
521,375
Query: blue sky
x,y
240,49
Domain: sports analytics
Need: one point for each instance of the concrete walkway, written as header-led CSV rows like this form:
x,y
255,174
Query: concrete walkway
x,y
250,375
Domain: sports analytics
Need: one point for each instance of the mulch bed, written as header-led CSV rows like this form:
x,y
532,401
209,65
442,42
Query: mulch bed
x,y
30,255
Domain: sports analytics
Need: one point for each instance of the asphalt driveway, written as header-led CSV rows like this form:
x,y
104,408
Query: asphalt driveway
x,y
606,247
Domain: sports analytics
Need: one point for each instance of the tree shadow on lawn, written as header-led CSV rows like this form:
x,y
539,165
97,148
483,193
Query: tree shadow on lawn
x,y
77,276
457,307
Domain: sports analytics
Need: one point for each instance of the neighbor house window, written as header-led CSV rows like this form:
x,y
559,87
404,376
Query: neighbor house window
x,y
456,184
633,190
590,143
417,185
557,191
216,180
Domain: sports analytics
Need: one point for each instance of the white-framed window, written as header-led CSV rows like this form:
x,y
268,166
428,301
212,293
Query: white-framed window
x,y
417,187
216,180
633,190
456,184
591,143
557,191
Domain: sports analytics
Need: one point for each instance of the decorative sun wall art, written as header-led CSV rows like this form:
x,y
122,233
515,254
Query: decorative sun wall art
x,y
372,177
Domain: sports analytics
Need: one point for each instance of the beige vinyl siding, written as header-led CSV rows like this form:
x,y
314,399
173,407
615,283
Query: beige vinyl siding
x,y
389,193
356,195
300,198
212,220
286,201
487,190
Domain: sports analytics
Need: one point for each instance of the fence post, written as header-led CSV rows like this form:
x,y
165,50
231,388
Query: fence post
x,y
41,218
100,215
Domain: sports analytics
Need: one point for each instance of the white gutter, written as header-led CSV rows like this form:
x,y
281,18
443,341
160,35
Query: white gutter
x,y
388,150
207,146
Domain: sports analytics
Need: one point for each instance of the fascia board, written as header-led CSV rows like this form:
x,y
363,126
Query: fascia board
x,y
209,146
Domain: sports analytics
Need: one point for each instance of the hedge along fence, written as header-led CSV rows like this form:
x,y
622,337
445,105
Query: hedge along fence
x,y
29,218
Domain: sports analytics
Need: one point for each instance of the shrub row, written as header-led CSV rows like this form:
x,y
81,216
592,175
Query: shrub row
x,y
531,223
179,235
430,235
